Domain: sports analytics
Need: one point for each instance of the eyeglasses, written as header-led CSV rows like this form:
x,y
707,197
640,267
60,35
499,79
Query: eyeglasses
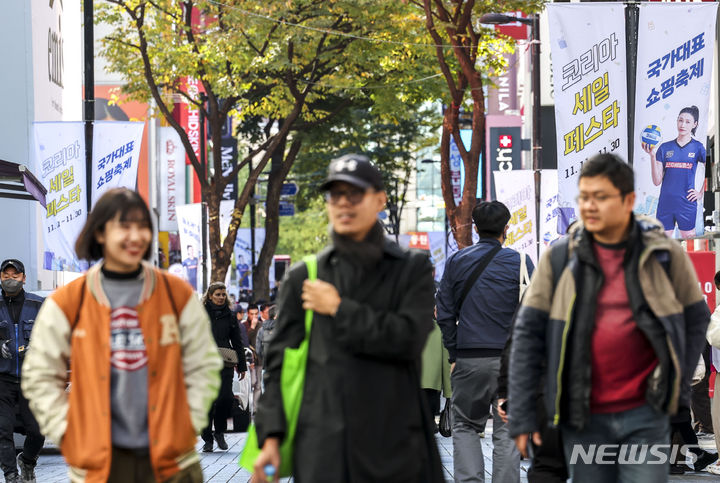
x,y
354,195
599,198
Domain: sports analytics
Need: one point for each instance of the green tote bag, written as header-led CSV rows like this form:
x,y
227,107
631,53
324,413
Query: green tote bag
x,y
292,382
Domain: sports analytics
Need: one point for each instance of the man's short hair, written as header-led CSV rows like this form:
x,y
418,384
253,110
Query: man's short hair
x,y
490,218
613,168
717,279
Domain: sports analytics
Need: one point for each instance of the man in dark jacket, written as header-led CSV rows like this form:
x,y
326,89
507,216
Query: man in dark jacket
x,y
619,335
475,330
363,416
18,310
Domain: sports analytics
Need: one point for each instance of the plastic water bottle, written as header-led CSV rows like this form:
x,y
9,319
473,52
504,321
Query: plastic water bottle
x,y
269,472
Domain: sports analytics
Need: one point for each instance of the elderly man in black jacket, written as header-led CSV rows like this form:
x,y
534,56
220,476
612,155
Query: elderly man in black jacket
x,y
363,416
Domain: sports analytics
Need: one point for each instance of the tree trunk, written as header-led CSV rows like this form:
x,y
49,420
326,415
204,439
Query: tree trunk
x,y
278,173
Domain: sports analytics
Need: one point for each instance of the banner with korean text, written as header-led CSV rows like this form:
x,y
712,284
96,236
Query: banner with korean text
x,y
588,56
60,166
171,166
674,74
116,151
549,211
516,189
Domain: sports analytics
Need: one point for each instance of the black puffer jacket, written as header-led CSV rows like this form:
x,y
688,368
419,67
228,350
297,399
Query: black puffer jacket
x,y
226,331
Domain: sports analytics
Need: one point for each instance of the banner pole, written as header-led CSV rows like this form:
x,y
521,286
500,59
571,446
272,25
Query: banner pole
x,y
89,76
632,14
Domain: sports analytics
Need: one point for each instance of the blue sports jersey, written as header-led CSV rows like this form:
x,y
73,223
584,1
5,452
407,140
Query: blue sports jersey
x,y
679,167
191,265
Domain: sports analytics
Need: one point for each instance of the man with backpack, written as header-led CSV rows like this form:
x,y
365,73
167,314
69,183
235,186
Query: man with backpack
x,y
476,301
615,317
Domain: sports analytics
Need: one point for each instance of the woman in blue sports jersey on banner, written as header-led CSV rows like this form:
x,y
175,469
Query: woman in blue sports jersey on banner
x,y
674,166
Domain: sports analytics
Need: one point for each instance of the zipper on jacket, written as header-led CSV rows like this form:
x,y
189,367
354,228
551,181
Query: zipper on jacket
x,y
561,366
675,381
17,353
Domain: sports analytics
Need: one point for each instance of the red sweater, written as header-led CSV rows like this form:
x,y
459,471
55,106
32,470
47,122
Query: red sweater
x,y
622,357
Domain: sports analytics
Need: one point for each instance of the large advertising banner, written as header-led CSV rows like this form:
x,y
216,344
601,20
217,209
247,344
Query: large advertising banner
x,y
456,166
171,172
60,166
549,211
116,153
674,71
189,223
590,87
516,189
188,115
112,105
243,248
243,257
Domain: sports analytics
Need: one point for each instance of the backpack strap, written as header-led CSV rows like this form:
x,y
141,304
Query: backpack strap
x,y
663,258
482,264
559,253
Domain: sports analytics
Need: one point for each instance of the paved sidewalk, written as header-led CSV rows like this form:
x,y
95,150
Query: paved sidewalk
x,y
221,466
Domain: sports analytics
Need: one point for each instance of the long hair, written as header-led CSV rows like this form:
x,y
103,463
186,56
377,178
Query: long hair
x,y
694,112
214,286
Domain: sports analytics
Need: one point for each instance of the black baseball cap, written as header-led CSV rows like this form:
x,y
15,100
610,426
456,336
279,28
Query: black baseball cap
x,y
12,262
355,169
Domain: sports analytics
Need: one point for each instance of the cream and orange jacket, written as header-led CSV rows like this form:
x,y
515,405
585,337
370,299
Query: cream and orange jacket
x,y
183,373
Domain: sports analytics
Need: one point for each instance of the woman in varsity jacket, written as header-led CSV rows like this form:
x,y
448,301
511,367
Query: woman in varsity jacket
x,y
144,365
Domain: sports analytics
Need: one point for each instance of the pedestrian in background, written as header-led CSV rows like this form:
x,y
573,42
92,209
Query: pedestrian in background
x,y
252,327
713,337
362,417
226,333
18,311
266,332
615,318
478,295
145,368
435,375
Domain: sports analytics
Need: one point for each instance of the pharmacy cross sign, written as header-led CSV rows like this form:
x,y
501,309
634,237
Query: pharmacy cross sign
x,y
505,141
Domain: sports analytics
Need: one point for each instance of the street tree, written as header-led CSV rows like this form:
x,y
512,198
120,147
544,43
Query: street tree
x,y
253,59
468,54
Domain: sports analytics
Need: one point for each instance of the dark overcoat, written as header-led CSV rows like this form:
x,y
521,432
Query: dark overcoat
x,y
363,415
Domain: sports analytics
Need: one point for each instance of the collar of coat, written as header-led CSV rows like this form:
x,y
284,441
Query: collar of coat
x,y
389,247
644,230
94,282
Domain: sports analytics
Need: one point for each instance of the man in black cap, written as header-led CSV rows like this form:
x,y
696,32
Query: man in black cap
x,y
363,416
17,316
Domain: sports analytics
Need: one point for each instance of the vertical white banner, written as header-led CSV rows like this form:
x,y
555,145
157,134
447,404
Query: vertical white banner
x,y
590,87
56,63
243,257
549,211
171,174
189,223
60,166
516,189
674,74
116,153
